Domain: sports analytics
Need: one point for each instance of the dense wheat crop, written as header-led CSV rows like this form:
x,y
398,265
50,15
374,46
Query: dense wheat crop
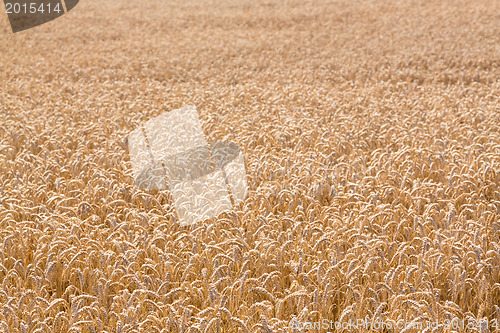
x,y
371,134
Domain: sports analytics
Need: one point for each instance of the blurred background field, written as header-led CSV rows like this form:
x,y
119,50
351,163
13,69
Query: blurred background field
x,y
371,134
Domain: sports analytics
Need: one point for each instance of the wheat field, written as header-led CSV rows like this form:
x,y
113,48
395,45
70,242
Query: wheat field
x,y
371,136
